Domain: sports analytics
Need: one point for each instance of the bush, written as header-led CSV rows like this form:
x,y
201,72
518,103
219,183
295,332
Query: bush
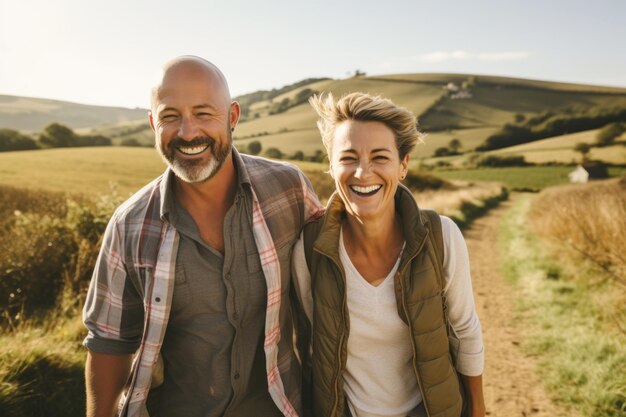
x,y
12,140
95,140
254,147
607,135
130,142
51,250
274,153
56,135
549,124
442,151
420,181
502,161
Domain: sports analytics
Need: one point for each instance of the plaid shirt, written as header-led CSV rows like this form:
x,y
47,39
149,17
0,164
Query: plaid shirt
x,y
140,247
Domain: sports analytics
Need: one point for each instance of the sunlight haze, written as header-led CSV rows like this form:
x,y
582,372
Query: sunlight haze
x,y
108,53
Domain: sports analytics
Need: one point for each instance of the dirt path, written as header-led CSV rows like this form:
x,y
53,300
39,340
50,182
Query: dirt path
x,y
512,388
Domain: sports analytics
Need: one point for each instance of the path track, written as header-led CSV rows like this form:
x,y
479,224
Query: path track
x,y
512,387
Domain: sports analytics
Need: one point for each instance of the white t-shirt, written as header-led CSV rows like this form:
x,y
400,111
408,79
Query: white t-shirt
x,y
379,379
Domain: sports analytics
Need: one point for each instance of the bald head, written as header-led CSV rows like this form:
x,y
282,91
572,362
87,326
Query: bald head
x,y
193,69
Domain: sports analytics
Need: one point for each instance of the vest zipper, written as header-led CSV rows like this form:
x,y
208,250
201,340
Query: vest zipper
x,y
410,323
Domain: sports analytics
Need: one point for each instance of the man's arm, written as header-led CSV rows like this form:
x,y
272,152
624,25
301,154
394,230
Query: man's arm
x,y
105,378
475,397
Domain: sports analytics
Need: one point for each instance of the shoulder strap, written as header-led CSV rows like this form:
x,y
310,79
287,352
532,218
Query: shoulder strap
x,y
433,224
310,232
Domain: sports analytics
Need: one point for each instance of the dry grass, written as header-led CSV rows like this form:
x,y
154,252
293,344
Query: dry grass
x,y
571,318
450,201
589,221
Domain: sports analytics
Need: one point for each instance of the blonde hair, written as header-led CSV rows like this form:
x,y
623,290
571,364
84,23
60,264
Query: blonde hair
x,y
366,108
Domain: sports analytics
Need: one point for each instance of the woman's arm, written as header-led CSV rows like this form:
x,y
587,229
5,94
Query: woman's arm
x,y
474,395
462,316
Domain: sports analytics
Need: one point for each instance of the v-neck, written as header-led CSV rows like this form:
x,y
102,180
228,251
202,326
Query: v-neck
x,y
347,263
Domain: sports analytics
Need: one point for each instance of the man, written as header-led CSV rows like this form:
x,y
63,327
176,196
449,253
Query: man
x,y
193,274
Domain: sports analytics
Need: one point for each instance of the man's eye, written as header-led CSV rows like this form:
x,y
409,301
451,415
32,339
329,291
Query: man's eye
x,y
168,117
380,158
204,115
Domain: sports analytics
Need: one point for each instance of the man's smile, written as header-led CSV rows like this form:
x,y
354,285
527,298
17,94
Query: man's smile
x,y
193,150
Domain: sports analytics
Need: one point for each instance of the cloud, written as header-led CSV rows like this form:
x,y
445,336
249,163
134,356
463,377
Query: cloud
x,y
503,56
459,55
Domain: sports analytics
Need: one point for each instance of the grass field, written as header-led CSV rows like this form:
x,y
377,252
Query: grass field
x,y
90,171
94,171
519,178
568,313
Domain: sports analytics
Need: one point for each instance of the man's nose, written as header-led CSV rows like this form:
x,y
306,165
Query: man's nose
x,y
188,129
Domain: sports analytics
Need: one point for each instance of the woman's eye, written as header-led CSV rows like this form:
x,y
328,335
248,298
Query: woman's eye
x,y
347,159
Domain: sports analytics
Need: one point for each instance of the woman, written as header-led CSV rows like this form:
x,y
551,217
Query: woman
x,y
367,278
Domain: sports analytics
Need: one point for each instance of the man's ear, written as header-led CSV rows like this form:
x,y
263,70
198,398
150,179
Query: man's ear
x,y
235,111
151,121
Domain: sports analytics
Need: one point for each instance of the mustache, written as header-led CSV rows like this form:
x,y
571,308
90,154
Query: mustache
x,y
197,141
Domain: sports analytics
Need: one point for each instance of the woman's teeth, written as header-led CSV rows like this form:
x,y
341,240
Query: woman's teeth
x,y
365,190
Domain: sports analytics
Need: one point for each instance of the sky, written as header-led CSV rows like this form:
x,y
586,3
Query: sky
x,y
110,52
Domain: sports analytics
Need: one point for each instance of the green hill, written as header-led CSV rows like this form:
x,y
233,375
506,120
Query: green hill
x,y
449,106
488,104
29,114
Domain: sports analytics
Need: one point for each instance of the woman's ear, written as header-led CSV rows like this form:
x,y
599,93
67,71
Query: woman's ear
x,y
404,166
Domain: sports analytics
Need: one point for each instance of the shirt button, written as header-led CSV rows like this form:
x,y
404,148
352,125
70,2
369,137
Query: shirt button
x,y
228,275
237,375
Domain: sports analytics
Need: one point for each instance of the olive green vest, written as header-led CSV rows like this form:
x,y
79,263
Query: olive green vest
x,y
418,286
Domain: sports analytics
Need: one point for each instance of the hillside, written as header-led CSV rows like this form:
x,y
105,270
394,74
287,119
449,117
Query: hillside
x,y
490,103
29,114
449,106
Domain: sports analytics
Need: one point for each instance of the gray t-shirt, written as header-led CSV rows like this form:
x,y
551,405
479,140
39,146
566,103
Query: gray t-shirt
x,y
213,348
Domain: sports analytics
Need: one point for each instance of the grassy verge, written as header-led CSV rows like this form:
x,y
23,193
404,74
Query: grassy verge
x,y
41,369
580,351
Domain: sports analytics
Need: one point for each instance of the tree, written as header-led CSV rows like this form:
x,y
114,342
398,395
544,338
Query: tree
x,y
298,156
12,140
455,145
607,135
583,148
254,147
274,153
93,140
56,135
442,151
130,142
303,96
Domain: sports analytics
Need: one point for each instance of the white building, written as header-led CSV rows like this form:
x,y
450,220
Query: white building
x,y
579,175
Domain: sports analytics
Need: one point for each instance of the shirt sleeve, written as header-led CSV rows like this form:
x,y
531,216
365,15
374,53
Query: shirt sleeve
x,y
460,301
313,209
113,311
